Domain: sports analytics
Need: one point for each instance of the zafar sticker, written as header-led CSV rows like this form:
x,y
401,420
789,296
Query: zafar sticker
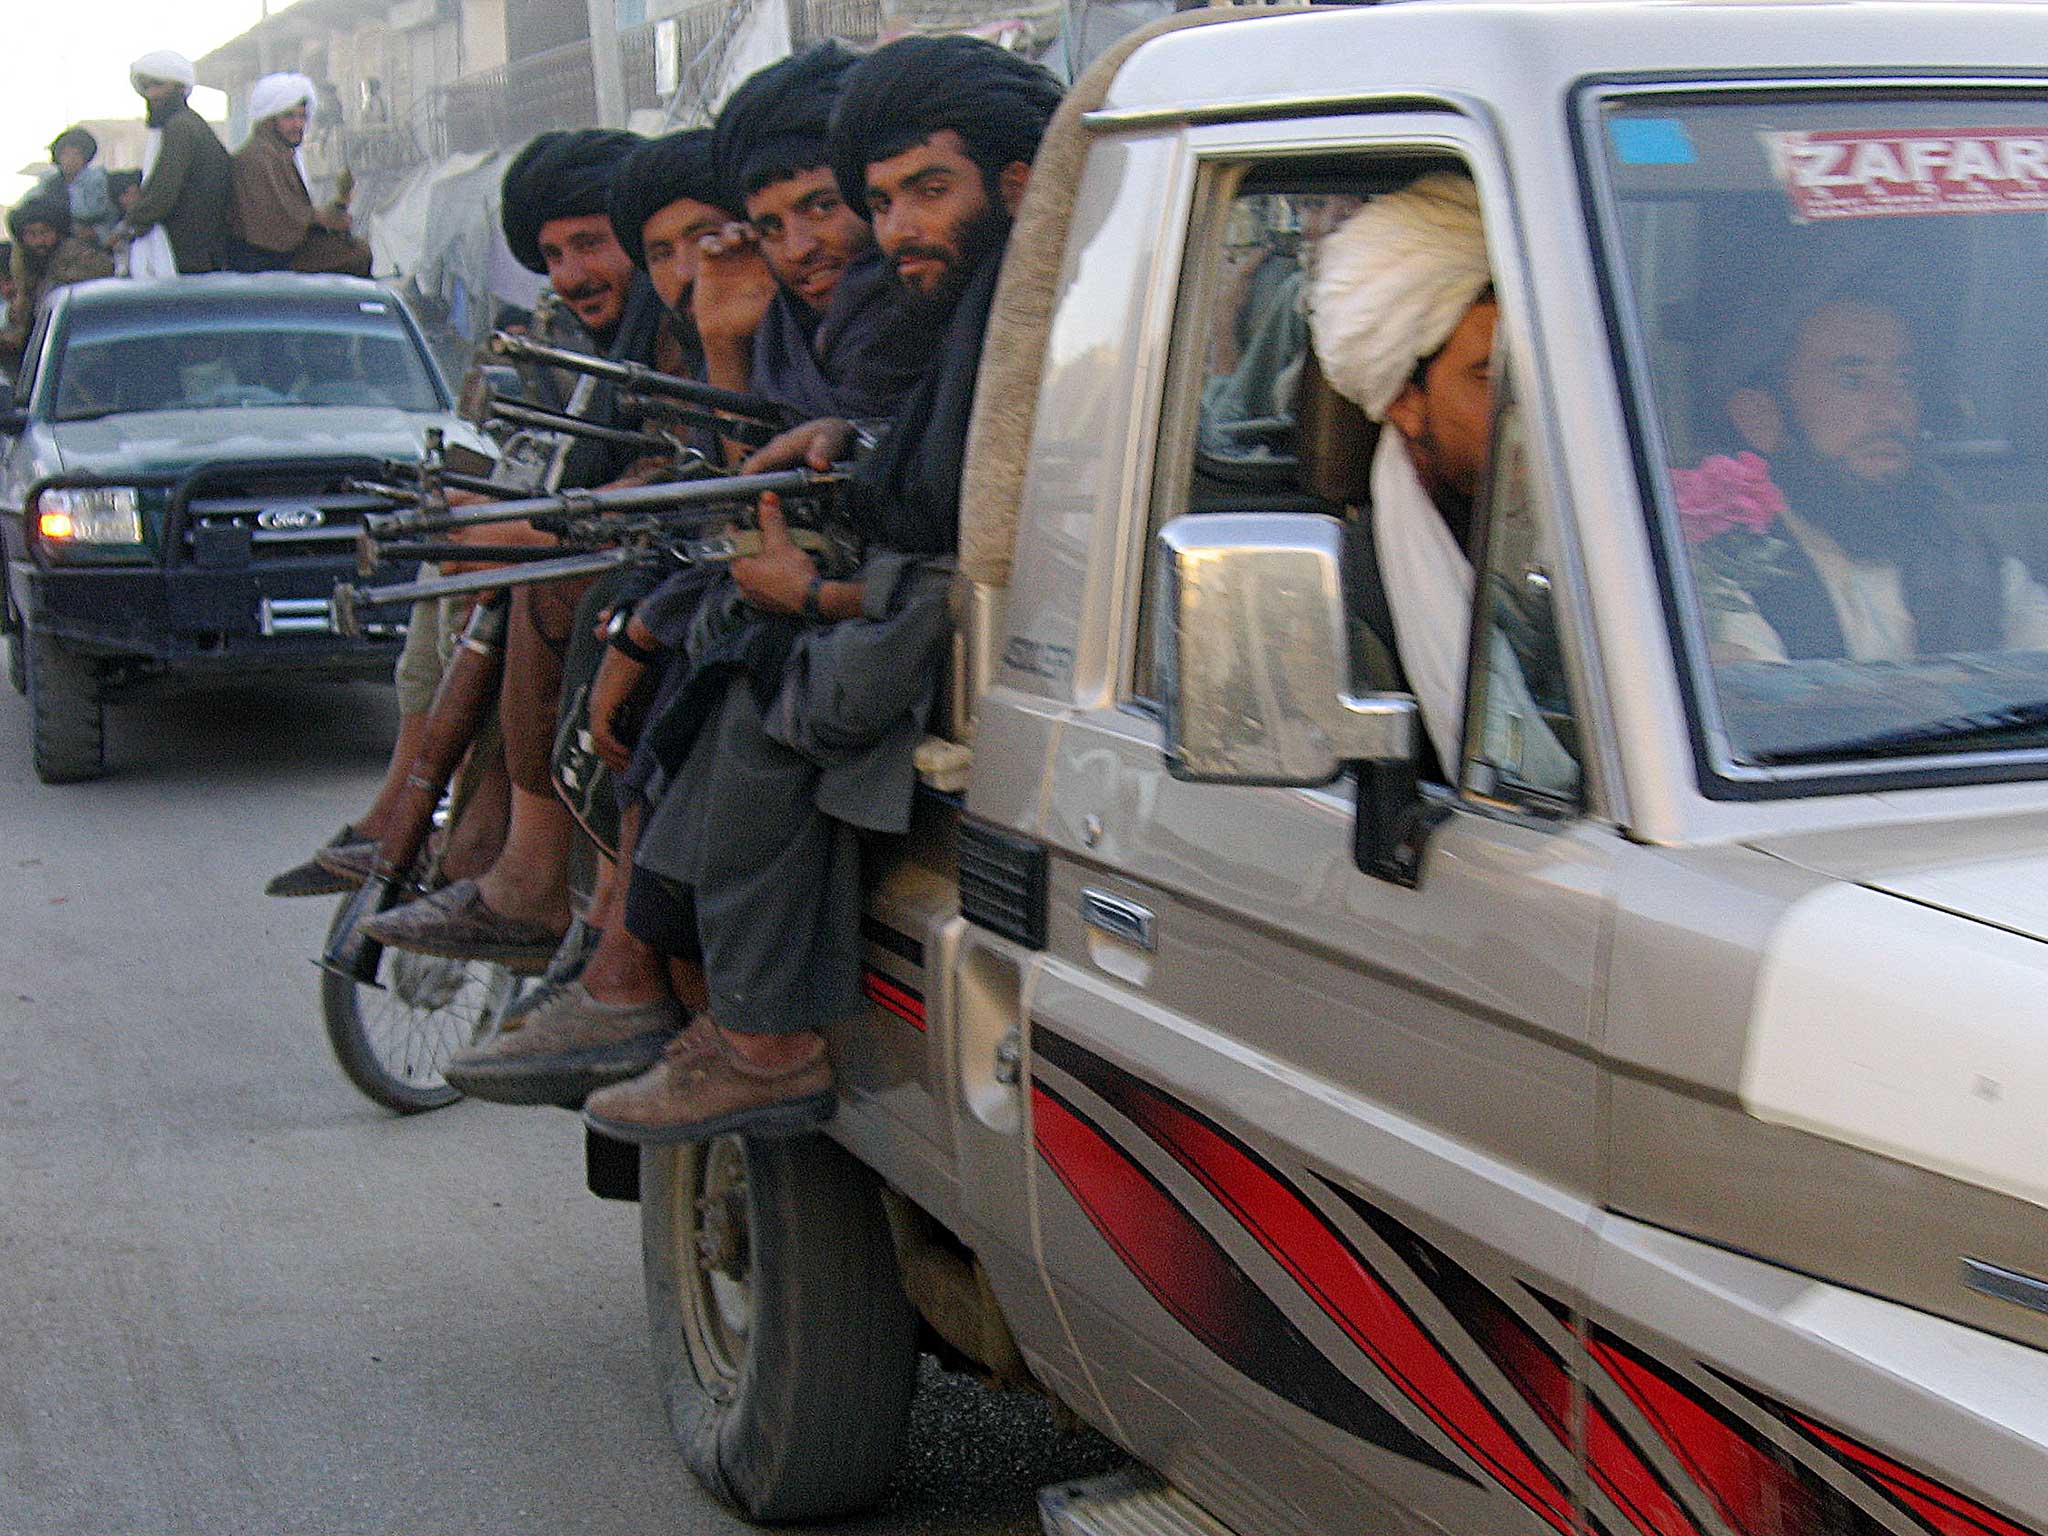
x,y
1886,173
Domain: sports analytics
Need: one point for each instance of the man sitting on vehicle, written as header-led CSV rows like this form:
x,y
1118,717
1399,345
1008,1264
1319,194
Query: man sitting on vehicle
x,y
180,220
47,255
276,226
795,728
553,201
84,184
1879,559
830,330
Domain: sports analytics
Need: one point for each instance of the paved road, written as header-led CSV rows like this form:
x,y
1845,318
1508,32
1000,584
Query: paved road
x,y
239,1298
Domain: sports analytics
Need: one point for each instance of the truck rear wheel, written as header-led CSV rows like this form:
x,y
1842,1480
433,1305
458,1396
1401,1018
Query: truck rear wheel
x,y
784,1345
66,718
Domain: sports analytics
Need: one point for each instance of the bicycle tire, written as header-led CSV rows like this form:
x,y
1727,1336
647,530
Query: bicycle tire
x,y
393,1040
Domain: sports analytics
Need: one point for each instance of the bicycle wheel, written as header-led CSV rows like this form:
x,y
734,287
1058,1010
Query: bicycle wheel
x,y
393,1040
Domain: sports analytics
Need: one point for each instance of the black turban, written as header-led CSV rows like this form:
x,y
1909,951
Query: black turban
x,y
79,139
775,125
901,95
558,176
52,208
656,174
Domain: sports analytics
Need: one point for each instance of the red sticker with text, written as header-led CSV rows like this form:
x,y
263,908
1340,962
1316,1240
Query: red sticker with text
x,y
1886,173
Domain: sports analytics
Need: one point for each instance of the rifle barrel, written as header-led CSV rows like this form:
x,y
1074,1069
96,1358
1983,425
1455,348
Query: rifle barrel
x,y
642,380
349,597
671,496
522,415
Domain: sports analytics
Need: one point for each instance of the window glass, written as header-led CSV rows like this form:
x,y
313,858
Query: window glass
x,y
121,359
1839,306
1250,426
1521,739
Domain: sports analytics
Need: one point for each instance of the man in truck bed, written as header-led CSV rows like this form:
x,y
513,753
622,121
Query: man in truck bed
x,y
799,731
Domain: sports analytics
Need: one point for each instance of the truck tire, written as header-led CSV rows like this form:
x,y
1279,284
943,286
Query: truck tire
x,y
784,1345
66,719
17,660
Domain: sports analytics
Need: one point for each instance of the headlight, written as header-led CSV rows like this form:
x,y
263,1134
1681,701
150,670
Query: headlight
x,y
101,514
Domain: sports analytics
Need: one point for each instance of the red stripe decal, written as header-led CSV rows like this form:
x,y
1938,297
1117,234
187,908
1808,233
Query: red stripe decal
x,y
1943,1508
901,1001
1617,1468
1753,1492
1355,1299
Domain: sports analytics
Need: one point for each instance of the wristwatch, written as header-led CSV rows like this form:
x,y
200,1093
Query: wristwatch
x,y
616,636
811,609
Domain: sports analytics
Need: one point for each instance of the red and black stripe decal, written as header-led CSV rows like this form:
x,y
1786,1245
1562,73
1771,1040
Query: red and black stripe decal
x,y
1331,1272
905,1002
1201,1286
1755,1486
1538,1372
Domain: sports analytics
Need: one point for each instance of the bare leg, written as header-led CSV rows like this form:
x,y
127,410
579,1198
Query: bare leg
x,y
478,835
375,821
530,878
622,969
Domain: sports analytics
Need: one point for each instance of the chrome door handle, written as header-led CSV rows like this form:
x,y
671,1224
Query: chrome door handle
x,y
1119,918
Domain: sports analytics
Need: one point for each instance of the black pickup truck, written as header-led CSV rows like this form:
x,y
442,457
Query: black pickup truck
x,y
175,498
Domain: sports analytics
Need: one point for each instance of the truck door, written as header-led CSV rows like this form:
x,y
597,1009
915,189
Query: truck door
x,y
1316,1152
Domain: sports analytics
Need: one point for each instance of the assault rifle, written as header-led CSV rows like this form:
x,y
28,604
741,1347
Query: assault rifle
x,y
744,418
683,523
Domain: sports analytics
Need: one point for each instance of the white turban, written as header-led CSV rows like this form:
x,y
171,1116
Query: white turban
x,y
274,94
1391,284
164,65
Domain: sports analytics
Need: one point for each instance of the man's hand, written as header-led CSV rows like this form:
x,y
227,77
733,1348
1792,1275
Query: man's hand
x,y
617,676
814,445
333,217
775,580
733,288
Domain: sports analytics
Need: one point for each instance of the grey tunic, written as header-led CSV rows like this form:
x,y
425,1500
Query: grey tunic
x,y
761,828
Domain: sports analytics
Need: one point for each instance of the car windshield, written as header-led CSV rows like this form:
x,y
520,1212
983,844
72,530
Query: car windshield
x,y
128,358
1836,309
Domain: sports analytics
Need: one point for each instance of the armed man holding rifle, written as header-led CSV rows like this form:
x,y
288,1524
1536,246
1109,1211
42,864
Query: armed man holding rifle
x,y
833,333
794,729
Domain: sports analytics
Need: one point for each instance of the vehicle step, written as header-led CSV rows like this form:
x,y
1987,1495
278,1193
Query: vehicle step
x,y
1130,1502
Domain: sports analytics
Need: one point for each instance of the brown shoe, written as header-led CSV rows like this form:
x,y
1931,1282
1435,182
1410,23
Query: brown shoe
x,y
456,924
313,877
566,1049
354,862
700,1089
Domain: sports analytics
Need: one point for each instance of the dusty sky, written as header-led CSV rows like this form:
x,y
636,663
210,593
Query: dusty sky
x,y
68,59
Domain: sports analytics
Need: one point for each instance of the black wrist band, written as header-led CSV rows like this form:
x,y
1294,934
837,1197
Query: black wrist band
x,y
617,636
811,609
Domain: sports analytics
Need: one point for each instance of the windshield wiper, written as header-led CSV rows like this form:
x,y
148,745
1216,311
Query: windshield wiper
x,y
1991,724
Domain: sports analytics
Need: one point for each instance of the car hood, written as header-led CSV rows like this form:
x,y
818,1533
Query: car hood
x,y
165,442
1991,871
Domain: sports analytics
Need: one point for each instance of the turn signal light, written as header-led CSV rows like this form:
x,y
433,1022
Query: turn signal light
x,y
55,525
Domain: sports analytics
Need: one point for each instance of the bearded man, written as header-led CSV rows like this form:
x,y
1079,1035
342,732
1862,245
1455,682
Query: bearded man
x,y
47,255
181,218
794,732
275,224
1882,561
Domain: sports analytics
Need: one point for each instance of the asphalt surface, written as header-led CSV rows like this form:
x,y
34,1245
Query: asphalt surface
x,y
236,1296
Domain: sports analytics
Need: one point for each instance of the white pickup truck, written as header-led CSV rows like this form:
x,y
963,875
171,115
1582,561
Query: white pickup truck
x,y
1647,1135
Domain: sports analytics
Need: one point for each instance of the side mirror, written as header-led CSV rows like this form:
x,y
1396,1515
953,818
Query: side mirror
x,y
1253,655
13,421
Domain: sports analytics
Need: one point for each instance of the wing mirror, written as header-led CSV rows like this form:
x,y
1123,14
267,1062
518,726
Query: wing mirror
x,y
1254,650
13,421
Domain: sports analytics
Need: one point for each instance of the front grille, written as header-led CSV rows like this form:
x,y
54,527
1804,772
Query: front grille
x,y
282,515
